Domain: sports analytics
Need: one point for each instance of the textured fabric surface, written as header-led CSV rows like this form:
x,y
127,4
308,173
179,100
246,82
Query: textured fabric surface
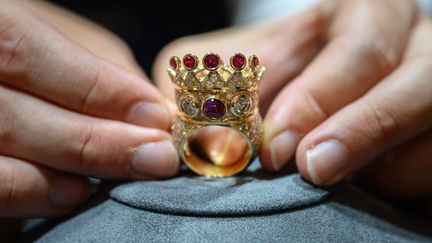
x,y
329,222
253,207
249,194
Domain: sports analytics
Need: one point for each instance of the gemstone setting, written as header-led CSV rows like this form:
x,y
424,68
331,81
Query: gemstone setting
x,y
241,105
214,108
190,62
211,61
254,61
189,106
174,62
237,81
238,61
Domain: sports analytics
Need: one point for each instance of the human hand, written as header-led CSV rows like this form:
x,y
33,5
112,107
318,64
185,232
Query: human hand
x,y
346,85
73,104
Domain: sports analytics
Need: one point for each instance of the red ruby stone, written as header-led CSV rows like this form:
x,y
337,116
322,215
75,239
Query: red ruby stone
x,y
255,61
190,62
211,61
238,61
214,108
173,63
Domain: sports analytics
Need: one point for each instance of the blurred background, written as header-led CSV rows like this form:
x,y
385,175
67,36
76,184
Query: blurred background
x,y
147,28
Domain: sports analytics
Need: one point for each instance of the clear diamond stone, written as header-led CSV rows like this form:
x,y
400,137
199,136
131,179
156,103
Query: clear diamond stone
x,y
191,80
209,84
237,80
241,105
189,107
214,80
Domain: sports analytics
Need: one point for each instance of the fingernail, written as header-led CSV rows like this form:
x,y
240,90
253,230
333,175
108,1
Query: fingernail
x,y
326,160
149,115
158,159
282,148
68,191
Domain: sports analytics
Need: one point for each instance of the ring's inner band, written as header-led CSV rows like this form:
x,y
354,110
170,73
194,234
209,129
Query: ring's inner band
x,y
216,151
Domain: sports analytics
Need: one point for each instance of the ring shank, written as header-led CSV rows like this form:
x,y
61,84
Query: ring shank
x,y
209,169
249,128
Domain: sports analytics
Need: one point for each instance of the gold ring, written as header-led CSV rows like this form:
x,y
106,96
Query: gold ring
x,y
216,94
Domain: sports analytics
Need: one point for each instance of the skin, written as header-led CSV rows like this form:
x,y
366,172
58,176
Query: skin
x,y
343,72
70,109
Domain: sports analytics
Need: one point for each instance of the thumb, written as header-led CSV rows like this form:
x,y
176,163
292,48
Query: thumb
x,y
392,112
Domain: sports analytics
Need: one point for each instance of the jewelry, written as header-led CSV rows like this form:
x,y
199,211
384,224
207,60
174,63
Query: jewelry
x,y
216,94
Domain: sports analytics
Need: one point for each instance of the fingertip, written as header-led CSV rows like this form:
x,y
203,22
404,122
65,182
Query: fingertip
x,y
37,191
69,191
156,159
279,148
171,109
10,227
322,163
149,114
265,154
301,162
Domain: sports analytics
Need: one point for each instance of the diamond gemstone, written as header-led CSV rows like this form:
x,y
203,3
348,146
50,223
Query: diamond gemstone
x,y
237,80
189,107
241,105
214,80
191,80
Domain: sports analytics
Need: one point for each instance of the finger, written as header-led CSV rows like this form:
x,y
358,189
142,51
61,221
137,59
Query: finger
x,y
10,228
358,55
86,33
285,54
36,130
28,190
39,60
294,42
404,172
397,109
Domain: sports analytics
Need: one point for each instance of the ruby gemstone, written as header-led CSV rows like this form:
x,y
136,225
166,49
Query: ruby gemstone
x,y
211,61
189,62
238,61
173,63
214,108
255,61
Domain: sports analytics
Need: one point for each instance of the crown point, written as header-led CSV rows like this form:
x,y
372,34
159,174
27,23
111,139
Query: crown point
x,y
238,61
174,62
190,62
211,61
254,61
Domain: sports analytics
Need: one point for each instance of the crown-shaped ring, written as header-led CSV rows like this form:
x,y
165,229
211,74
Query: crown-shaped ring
x,y
212,73
214,90
211,93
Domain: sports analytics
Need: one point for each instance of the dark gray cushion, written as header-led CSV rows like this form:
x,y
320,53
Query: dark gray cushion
x,y
254,206
248,194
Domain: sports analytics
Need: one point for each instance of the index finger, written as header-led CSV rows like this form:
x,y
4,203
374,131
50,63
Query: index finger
x,y
356,57
37,59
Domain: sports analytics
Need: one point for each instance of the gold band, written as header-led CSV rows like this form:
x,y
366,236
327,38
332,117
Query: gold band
x,y
249,128
216,95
